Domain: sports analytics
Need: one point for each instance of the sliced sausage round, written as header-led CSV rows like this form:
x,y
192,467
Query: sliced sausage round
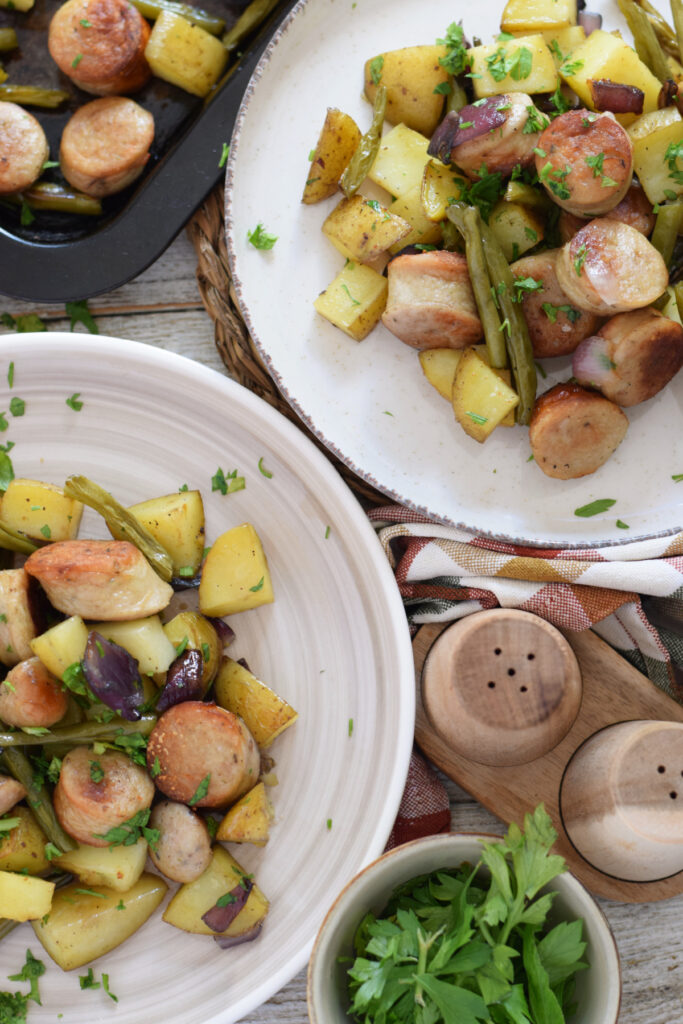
x,y
573,431
609,267
96,793
635,209
11,792
100,45
183,850
105,145
585,162
31,697
555,326
430,303
206,755
17,627
23,148
645,349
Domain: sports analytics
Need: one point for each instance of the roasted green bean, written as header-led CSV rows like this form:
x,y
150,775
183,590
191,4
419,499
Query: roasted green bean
x,y
121,522
78,734
484,292
645,39
38,798
366,150
8,39
32,96
668,225
663,31
153,8
46,195
250,18
677,13
10,540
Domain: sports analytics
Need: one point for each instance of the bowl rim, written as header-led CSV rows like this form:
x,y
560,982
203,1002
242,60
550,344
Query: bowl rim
x,y
566,880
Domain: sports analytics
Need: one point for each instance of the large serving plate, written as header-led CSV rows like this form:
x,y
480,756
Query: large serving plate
x,y
369,402
335,644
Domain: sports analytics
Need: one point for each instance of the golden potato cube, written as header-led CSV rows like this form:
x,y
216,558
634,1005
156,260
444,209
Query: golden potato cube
x,y
537,15
525,195
144,639
606,56
439,189
264,713
194,899
423,230
61,645
354,301
235,577
17,5
40,511
80,927
336,145
648,123
505,375
117,867
481,400
248,821
439,366
525,65
563,41
362,229
184,54
23,847
411,77
401,160
176,521
516,227
24,898
656,161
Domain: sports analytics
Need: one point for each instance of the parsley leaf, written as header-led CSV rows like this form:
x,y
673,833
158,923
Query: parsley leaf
x,y
201,791
260,238
484,193
594,508
227,483
128,833
79,313
376,66
74,403
225,153
31,971
13,1008
456,59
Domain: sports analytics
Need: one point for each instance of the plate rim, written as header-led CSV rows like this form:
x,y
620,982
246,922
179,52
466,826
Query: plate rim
x,y
403,686
415,508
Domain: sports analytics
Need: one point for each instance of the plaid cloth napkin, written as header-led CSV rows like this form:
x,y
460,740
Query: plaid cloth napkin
x,y
631,595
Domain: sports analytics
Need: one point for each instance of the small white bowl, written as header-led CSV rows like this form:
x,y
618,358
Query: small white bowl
x,y
598,990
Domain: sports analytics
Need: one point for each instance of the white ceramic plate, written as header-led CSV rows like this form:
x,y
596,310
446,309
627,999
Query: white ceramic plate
x,y
335,644
369,402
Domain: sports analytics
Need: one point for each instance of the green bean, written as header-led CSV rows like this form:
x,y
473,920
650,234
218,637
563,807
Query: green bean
x,y
32,96
366,150
663,31
10,540
517,338
250,18
677,13
122,523
8,39
38,798
153,8
645,39
46,195
678,292
667,227
78,734
461,216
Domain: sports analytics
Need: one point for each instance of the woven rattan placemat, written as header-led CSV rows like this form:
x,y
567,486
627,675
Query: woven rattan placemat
x,y
237,350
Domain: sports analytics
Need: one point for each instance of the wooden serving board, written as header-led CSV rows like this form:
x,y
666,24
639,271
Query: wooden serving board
x,y
613,691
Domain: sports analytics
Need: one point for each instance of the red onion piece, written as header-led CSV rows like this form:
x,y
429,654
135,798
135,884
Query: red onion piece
x,y
186,582
616,97
668,94
479,121
589,21
113,675
591,364
221,917
228,941
226,634
244,663
184,680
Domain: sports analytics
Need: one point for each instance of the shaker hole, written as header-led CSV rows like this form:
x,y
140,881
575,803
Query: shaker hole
x,y
511,671
673,794
522,689
497,650
492,685
530,657
662,769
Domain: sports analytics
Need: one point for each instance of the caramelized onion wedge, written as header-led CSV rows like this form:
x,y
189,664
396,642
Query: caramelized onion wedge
x,y
113,675
616,97
224,912
228,941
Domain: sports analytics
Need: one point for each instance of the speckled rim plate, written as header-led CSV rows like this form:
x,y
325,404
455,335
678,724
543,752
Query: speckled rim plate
x,y
335,644
369,402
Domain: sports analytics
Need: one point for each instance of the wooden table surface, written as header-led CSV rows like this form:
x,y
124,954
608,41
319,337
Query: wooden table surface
x,y
162,308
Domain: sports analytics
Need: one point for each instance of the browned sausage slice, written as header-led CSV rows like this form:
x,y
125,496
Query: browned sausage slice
x,y
31,697
17,627
574,431
99,579
585,162
100,45
555,326
86,809
105,145
11,792
430,303
635,209
183,850
23,148
646,351
609,267
195,742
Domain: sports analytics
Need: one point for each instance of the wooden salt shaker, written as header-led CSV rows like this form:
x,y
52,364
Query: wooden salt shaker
x,y
501,687
622,800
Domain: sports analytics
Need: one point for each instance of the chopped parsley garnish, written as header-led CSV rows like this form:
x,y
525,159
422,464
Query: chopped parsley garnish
x,y
74,401
85,23
345,288
456,59
201,791
327,532
258,586
595,163
13,1008
51,851
10,375
444,89
594,508
96,773
7,824
29,323
121,905
677,477
588,120
46,531
535,121
77,60
558,101
225,153
226,899
27,216
329,824
484,193
31,971
580,259
622,525
206,651
477,418
552,311
515,63
128,833
263,470
227,483
79,313
17,406
571,67
674,153
260,238
88,980
350,728
91,892
155,770
531,234
525,285
376,66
